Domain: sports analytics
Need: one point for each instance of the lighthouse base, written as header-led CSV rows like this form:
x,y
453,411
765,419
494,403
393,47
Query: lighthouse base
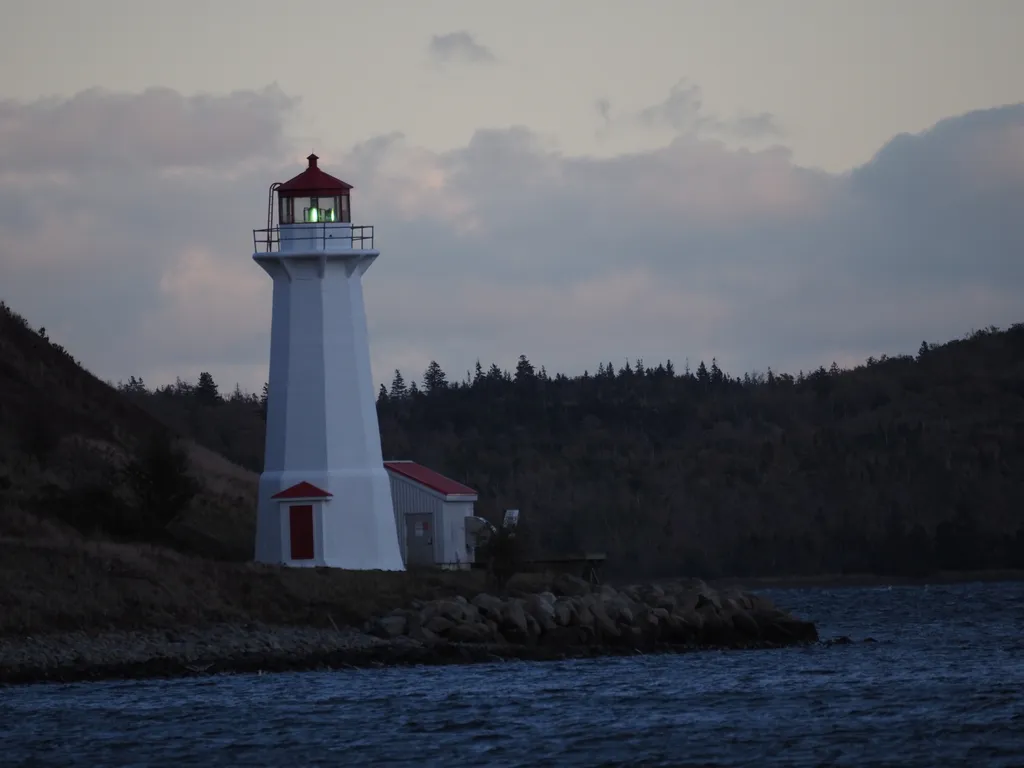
x,y
352,528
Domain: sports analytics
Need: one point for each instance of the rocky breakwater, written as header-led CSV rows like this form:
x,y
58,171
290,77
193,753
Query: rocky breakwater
x,y
576,619
571,620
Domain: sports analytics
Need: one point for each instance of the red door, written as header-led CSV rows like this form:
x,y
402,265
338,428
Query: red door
x,y
300,518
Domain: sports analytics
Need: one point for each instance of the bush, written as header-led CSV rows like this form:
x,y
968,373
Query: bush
x,y
505,551
159,480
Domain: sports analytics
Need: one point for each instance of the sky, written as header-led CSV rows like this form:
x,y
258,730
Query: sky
x,y
777,185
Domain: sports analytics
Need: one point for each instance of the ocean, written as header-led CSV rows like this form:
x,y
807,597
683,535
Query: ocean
x,y
942,686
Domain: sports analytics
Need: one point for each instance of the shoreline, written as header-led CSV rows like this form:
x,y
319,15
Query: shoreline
x,y
385,654
855,580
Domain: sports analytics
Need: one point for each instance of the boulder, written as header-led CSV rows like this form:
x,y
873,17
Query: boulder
x,y
566,585
619,610
582,615
489,606
564,612
514,625
471,633
439,625
603,623
542,611
423,635
390,626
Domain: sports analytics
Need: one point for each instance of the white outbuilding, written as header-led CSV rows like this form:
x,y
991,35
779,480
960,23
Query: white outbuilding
x,y
434,516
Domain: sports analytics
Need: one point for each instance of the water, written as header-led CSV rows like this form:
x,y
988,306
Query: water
x,y
943,686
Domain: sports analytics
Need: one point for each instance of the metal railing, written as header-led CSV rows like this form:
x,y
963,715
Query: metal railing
x,y
319,235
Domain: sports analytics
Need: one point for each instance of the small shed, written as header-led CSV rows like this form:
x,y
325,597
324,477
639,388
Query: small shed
x,y
431,512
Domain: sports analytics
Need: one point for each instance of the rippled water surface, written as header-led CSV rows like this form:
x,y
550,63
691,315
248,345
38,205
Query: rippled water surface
x,y
943,686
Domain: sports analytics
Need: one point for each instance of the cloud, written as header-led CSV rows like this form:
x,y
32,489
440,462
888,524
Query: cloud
x,y
458,47
682,113
508,245
157,129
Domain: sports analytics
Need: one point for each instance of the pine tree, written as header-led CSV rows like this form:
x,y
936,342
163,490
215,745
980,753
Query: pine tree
x,y
524,370
206,390
434,379
716,373
398,388
703,377
382,394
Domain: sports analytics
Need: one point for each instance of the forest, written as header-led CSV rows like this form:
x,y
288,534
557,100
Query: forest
x,y
903,465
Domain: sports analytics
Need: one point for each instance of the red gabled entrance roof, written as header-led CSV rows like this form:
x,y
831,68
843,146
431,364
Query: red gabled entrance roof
x,y
302,490
435,481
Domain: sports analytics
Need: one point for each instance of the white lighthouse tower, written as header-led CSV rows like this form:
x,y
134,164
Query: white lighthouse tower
x,y
324,495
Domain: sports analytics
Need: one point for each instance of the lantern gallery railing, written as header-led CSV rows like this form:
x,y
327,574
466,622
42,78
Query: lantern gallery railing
x,y
322,236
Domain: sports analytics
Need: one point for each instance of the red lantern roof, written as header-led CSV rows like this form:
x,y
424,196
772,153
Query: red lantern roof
x,y
313,181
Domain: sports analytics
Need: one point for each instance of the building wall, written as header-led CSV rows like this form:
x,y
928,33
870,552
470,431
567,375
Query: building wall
x,y
409,497
453,533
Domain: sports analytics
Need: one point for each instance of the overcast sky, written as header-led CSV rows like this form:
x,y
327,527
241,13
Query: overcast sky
x,y
776,184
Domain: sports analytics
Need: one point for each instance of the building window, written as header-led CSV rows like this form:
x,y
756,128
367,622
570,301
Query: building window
x,y
286,214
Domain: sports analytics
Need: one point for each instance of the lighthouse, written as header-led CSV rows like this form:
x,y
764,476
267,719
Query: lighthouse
x,y
324,495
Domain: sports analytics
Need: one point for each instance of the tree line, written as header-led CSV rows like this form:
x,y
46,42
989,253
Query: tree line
x,y
902,465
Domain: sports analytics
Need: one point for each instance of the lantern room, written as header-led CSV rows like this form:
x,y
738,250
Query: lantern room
x,y
313,197
313,215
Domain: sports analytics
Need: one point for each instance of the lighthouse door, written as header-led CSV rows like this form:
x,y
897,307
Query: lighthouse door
x,y
301,530
419,539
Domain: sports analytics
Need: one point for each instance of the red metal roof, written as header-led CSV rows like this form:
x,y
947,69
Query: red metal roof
x,y
313,181
429,478
302,490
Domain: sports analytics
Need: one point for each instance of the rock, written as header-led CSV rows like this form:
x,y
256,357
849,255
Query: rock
x,y
489,606
582,615
533,629
566,585
602,621
390,626
471,633
704,600
684,628
564,612
423,635
542,611
618,610
841,640
439,624
744,623
514,624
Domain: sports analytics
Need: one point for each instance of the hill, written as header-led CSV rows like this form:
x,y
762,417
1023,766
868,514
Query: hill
x,y
901,466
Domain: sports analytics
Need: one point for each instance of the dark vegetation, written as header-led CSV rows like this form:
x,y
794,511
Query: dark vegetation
x,y
902,466
119,507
